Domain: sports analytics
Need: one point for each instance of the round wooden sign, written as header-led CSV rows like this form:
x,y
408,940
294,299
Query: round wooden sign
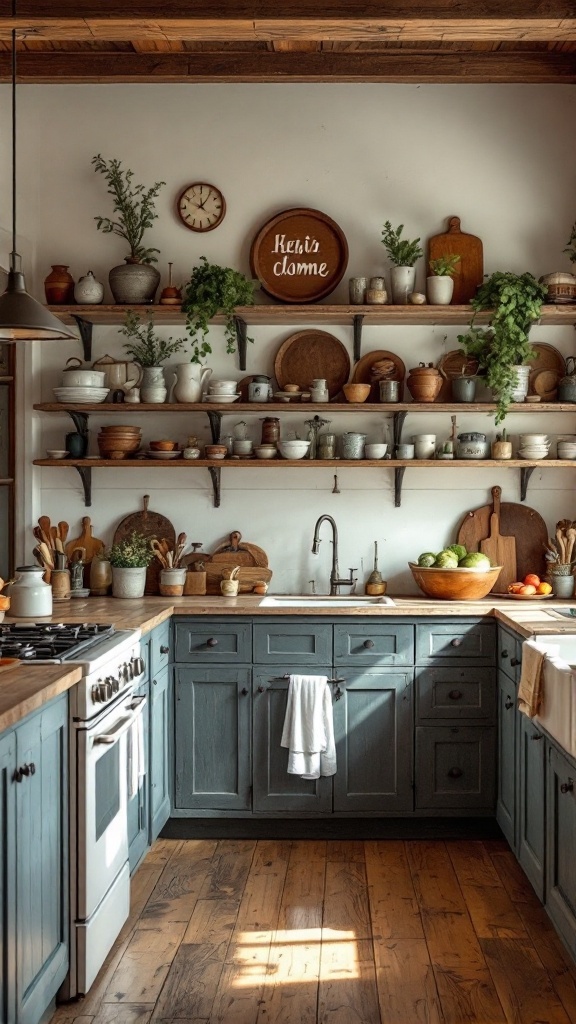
x,y
299,255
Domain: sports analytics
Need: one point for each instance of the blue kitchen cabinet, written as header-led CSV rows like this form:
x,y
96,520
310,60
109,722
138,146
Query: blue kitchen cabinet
x,y
158,648
138,802
374,728
561,844
8,877
40,782
160,746
509,663
212,737
531,796
455,768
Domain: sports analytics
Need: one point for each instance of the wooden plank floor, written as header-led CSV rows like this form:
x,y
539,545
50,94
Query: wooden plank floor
x,y
328,932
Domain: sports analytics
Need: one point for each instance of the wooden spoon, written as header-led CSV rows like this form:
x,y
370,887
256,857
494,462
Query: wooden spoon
x,y
44,524
63,531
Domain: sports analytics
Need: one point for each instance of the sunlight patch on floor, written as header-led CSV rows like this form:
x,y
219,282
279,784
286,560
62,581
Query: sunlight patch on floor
x,y
294,955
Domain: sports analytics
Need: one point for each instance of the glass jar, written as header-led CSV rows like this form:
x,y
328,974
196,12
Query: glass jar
x,y
29,595
327,446
270,430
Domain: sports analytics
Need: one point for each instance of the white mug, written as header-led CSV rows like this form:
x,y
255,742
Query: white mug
x,y
132,396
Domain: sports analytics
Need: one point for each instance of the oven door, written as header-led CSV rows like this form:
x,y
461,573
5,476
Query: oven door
x,y
102,836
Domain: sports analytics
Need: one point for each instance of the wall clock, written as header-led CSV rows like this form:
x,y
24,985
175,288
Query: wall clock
x,y
201,206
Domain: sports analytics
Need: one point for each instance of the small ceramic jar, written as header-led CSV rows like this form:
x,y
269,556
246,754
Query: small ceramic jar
x,y
472,446
29,595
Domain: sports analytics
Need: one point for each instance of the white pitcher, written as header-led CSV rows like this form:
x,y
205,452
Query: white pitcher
x,y
189,379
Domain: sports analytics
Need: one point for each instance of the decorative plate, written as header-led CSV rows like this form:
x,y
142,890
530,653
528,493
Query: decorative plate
x,y
527,597
300,255
547,358
308,355
362,372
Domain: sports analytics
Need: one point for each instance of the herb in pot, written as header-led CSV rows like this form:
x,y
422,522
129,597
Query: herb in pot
x,y
214,290
444,266
401,252
134,552
133,206
145,346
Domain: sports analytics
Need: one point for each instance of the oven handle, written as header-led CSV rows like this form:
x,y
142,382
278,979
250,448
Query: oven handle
x,y
109,738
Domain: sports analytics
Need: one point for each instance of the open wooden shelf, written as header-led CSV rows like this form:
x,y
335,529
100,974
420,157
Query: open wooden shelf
x,y
254,463
129,409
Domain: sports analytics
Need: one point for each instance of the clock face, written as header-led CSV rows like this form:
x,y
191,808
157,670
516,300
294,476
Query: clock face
x,y
201,206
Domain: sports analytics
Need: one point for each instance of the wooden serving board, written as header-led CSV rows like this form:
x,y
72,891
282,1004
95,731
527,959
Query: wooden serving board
x,y
247,576
308,355
91,545
470,270
501,550
149,524
236,552
519,521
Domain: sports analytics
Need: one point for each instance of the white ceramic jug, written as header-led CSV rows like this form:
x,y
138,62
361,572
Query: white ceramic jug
x,y
29,595
189,379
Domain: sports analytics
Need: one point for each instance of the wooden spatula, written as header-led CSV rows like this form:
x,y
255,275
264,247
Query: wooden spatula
x,y
500,550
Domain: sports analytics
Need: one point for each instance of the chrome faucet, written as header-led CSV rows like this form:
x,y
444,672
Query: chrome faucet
x,y
335,581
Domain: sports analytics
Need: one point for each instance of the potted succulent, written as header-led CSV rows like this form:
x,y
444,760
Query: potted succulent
x,y
149,351
503,348
129,559
214,290
403,254
138,280
440,284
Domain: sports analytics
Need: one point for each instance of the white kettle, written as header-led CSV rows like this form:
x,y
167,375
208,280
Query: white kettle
x,y
189,380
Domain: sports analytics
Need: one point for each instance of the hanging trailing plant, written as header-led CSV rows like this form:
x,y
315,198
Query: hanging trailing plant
x,y
515,303
214,290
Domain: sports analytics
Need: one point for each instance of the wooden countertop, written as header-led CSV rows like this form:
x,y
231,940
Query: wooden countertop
x,y
27,687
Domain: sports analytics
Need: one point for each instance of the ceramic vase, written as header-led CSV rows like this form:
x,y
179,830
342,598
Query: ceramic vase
x,y
439,290
88,291
402,281
153,386
59,286
100,577
189,380
134,283
172,582
128,583
522,383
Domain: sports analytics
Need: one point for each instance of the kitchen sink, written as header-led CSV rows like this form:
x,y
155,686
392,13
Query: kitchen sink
x,y
322,601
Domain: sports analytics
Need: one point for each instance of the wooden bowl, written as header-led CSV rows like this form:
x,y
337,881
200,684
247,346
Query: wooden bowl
x,y
118,443
215,451
356,392
120,429
163,446
455,584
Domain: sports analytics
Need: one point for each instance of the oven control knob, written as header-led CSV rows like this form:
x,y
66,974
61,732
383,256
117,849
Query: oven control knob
x,y
114,683
107,689
96,696
138,666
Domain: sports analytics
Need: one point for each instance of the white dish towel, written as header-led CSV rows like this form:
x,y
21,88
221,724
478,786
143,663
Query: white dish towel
x,y
309,727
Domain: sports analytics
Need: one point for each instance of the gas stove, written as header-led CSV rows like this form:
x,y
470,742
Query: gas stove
x,y
53,642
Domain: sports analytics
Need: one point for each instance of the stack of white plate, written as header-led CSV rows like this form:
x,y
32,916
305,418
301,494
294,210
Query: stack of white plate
x,y
80,395
533,446
566,449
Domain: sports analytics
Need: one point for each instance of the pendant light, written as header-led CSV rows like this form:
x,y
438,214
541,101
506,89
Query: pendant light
x,y
22,318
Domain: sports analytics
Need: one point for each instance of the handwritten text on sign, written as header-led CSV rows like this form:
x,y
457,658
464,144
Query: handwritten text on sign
x,y
288,267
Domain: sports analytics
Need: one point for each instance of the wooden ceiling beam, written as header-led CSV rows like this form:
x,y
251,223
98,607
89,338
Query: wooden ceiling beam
x,y
432,66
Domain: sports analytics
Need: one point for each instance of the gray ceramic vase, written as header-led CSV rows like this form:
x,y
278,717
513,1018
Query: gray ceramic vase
x,y
134,283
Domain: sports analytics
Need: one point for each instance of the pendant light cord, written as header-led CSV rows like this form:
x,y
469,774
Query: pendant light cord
x,y
14,137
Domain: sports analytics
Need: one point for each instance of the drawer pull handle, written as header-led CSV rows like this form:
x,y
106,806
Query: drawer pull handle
x,y
211,642
29,769
337,693
368,644
567,787
456,642
515,661
508,703
537,736
455,694
260,689
504,654
244,691
455,773
164,649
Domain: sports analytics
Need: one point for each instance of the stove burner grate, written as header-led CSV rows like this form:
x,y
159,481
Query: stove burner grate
x,y
55,641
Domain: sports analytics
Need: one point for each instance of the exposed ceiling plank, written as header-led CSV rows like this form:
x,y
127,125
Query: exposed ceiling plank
x,y
264,66
426,21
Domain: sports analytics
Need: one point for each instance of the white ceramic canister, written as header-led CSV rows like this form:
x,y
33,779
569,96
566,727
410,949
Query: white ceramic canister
x,y
88,291
29,595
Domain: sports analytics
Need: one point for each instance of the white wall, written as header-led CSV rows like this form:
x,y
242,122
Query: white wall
x,y
500,157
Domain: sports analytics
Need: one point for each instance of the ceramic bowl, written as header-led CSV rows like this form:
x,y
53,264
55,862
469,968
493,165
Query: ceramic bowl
x,y
375,451
215,451
54,453
242,446
293,449
357,392
531,439
533,454
455,584
163,446
222,387
265,451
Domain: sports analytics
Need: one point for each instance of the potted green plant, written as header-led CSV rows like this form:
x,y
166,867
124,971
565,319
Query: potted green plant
x,y
503,349
129,559
149,351
214,290
403,254
138,280
440,284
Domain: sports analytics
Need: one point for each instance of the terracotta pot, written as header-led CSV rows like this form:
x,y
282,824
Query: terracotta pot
x,y
59,286
424,384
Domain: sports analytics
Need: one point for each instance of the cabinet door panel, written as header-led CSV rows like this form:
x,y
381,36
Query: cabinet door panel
x,y
455,640
449,692
383,644
454,767
274,788
299,644
7,877
159,648
509,653
531,798
137,805
560,846
204,641
373,722
507,759
212,724
160,751
42,844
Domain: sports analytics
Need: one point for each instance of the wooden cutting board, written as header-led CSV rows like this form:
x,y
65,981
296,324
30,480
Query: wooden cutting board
x,y
91,545
149,524
519,521
500,550
247,576
228,555
470,270
308,355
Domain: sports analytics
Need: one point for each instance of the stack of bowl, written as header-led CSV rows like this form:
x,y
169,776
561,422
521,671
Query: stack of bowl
x,y
567,446
295,449
533,446
118,442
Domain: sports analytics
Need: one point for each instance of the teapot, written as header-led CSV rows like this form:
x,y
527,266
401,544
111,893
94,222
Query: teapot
x,y
119,373
260,388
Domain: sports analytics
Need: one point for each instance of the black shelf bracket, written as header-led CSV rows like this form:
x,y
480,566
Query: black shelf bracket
x,y
86,478
399,418
85,328
525,475
215,425
398,478
80,421
358,321
241,340
215,473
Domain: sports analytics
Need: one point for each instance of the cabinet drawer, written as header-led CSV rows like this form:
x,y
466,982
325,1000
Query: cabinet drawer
x,y
455,640
455,767
373,643
509,654
451,692
159,647
229,641
295,644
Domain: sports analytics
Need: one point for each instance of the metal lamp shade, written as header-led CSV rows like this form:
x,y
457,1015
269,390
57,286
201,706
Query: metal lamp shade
x,y
22,318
